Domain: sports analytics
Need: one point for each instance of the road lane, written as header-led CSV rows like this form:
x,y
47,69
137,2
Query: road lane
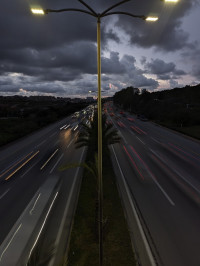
x,y
169,215
20,168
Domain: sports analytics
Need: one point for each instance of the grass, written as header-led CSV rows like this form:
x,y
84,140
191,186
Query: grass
x,y
192,131
84,238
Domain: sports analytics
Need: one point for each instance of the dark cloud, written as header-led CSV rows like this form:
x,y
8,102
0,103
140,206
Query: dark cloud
x,y
56,53
158,66
111,35
164,77
162,69
135,76
193,58
165,34
112,65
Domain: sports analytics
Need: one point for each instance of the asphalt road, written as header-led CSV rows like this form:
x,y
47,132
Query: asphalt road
x,y
162,171
161,168
27,163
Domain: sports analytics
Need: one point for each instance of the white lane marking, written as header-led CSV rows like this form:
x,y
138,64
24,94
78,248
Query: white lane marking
x,y
42,226
163,191
10,241
187,181
176,171
28,170
140,140
70,143
56,163
146,244
156,140
40,144
66,210
56,142
4,193
159,186
52,135
155,153
31,211
49,159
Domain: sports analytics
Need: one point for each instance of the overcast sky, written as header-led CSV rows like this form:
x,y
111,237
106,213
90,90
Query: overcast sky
x,y
56,54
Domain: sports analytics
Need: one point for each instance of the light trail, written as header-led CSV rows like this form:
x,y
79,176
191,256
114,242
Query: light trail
x,y
133,162
135,130
177,148
10,242
141,130
8,177
56,163
49,159
6,171
31,211
154,178
42,226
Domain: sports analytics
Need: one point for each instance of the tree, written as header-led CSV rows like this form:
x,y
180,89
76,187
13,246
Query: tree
x,y
89,135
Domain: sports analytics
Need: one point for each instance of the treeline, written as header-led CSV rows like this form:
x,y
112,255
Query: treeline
x,y
179,107
20,116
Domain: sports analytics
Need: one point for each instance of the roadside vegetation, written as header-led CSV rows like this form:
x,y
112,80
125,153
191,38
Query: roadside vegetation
x,y
20,116
178,109
84,246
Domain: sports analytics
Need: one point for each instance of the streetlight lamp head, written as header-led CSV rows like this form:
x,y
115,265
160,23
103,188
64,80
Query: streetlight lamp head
x,y
171,1
37,11
151,19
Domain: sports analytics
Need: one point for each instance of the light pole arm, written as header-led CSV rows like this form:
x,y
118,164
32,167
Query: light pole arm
x,y
46,11
120,3
88,7
125,13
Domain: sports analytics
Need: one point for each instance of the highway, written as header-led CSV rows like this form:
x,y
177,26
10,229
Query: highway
x,y
26,164
161,170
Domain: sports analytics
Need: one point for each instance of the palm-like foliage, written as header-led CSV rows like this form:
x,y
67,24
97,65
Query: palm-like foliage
x,y
89,135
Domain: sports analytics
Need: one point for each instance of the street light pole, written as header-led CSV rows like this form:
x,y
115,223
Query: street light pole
x,y
98,16
100,187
